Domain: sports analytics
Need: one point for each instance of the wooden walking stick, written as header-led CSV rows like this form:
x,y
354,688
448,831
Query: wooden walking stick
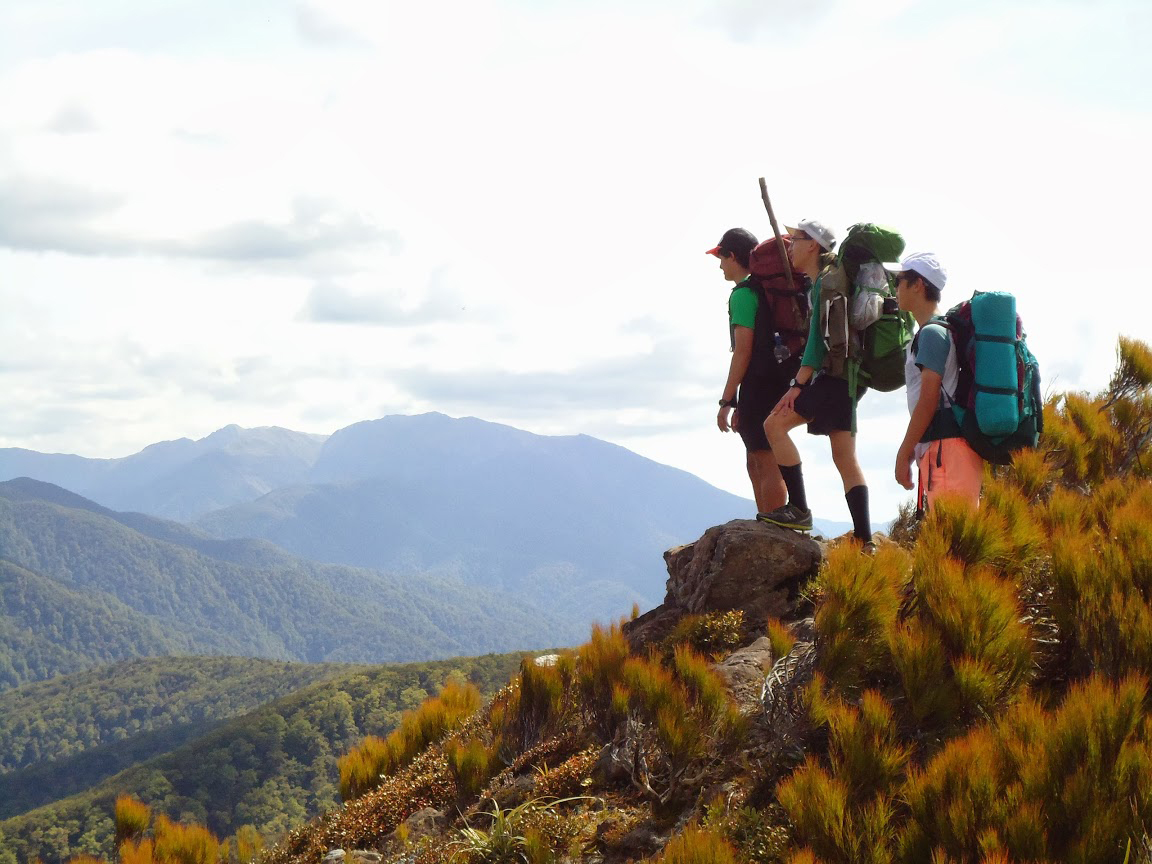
x,y
776,231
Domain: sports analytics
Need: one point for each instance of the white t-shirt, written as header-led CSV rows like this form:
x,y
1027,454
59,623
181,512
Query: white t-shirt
x,y
935,351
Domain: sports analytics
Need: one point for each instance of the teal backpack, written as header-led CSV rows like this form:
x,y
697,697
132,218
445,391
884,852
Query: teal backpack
x,y
997,405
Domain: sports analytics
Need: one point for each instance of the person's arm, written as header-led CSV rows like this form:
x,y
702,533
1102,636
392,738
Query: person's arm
x,y
741,357
922,414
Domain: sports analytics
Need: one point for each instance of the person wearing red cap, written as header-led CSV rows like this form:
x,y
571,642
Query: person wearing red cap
x,y
753,386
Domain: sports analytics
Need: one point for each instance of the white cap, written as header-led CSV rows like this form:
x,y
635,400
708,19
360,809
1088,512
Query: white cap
x,y
818,231
926,264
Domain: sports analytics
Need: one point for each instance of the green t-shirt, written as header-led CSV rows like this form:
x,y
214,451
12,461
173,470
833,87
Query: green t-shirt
x,y
742,304
815,349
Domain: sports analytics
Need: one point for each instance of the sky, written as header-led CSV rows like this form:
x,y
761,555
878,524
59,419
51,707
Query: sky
x,y
308,214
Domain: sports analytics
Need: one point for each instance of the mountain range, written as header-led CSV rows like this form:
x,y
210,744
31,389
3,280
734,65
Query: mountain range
x,y
572,524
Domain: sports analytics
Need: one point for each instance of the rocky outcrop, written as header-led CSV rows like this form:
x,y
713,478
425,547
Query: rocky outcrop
x,y
744,672
743,564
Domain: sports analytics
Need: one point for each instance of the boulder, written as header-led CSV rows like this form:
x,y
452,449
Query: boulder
x,y
744,672
743,564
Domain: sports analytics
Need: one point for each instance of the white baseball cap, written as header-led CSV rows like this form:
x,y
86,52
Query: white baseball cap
x,y
818,231
926,264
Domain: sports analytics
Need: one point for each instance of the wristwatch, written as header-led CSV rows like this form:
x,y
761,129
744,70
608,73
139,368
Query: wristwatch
x,y
727,403
795,383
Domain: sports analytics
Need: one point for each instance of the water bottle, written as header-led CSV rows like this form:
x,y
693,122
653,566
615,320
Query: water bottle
x,y
781,350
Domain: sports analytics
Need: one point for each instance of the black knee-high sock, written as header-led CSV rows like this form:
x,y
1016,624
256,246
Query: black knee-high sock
x,y
857,498
794,480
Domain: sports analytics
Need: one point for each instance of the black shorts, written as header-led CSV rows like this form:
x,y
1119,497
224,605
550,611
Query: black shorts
x,y
826,405
757,398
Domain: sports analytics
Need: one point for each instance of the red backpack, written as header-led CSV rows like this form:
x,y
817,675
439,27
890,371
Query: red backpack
x,y
783,310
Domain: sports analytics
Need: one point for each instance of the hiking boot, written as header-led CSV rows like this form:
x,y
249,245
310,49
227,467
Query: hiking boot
x,y
788,516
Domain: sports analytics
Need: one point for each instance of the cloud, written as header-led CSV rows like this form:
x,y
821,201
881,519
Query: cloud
x,y
331,302
72,119
317,227
44,215
320,27
656,378
761,21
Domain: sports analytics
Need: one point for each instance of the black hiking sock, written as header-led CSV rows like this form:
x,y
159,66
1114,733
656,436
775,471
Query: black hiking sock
x,y
794,480
857,498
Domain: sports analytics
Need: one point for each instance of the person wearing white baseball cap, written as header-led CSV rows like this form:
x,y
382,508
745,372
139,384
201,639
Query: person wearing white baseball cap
x,y
946,465
814,230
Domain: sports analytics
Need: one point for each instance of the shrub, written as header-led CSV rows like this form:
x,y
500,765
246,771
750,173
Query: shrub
x,y
845,812
543,702
249,844
131,817
861,601
781,639
599,668
177,843
1065,785
472,764
136,852
362,767
715,634
1102,586
698,846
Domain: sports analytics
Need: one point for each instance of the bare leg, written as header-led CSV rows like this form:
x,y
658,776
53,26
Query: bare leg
x,y
776,429
844,456
767,484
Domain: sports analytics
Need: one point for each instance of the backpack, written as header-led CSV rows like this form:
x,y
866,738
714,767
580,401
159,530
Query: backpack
x,y
782,311
997,405
866,334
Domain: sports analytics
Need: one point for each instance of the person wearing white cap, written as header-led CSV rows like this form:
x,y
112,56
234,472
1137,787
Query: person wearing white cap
x,y
946,464
826,406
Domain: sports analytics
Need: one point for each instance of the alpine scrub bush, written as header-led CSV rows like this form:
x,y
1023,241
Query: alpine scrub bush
x,y
472,764
177,843
698,846
1068,785
860,600
363,767
1102,587
544,700
136,852
937,739
131,817
715,634
599,670
984,653
844,813
249,844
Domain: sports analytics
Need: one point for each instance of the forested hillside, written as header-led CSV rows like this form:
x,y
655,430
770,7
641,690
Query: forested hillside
x,y
272,768
62,736
82,587
47,628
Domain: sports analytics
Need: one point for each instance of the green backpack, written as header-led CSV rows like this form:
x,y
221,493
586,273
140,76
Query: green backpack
x,y
866,334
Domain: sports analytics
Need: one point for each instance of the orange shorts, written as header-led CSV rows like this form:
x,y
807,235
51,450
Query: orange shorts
x,y
949,467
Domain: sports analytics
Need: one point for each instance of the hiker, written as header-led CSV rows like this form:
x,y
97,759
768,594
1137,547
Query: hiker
x,y
946,464
819,398
756,378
